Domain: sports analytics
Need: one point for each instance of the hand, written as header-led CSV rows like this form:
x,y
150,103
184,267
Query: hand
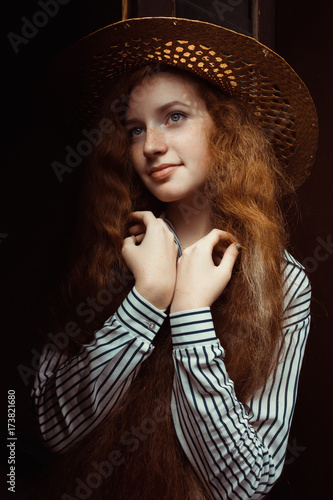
x,y
204,271
151,255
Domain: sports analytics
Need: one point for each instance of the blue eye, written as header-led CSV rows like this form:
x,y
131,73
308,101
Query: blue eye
x,y
176,117
135,132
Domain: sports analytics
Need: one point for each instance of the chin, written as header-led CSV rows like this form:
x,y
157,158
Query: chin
x,y
172,190
169,197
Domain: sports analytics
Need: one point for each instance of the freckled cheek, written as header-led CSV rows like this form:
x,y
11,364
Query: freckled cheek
x,y
186,143
197,142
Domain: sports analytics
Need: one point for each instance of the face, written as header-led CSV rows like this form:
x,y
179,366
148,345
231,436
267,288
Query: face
x,y
168,126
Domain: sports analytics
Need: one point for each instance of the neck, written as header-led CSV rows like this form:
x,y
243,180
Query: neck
x,y
191,220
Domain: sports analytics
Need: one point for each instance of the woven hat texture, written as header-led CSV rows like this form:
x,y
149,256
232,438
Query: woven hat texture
x,y
242,67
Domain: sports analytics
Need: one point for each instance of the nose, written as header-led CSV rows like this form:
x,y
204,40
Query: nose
x,y
155,143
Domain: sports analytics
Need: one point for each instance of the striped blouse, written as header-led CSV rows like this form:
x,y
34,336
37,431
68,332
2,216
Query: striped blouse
x,y
237,450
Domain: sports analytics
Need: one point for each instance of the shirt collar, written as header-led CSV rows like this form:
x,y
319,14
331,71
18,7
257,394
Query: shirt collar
x,y
172,229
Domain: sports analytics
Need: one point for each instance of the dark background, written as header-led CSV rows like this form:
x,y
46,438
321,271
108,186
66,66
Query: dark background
x,y
38,212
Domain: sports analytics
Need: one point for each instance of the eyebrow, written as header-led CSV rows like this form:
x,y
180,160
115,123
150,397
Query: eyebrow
x,y
162,108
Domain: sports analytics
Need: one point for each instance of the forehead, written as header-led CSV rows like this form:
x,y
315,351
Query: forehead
x,y
160,88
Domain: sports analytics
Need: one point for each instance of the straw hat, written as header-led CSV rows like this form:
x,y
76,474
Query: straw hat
x,y
242,67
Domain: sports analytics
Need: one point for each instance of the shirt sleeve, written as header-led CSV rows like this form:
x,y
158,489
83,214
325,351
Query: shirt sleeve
x,y
237,450
73,395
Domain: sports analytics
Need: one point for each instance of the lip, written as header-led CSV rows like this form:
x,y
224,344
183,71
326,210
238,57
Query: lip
x,y
162,171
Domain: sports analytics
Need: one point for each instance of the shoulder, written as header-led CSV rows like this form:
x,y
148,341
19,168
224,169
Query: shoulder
x,y
294,273
297,287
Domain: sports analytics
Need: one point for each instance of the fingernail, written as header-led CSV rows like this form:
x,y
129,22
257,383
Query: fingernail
x,y
238,246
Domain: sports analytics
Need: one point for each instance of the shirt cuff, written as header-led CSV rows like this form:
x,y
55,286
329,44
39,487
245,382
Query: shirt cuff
x,y
194,327
140,317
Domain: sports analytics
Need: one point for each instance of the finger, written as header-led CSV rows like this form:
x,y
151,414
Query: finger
x,y
220,238
129,241
146,219
133,240
139,238
137,229
230,256
144,216
219,250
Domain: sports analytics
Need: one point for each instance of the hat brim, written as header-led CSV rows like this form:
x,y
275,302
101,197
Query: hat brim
x,y
241,66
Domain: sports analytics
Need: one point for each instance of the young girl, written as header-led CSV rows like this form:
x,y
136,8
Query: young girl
x,y
187,318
